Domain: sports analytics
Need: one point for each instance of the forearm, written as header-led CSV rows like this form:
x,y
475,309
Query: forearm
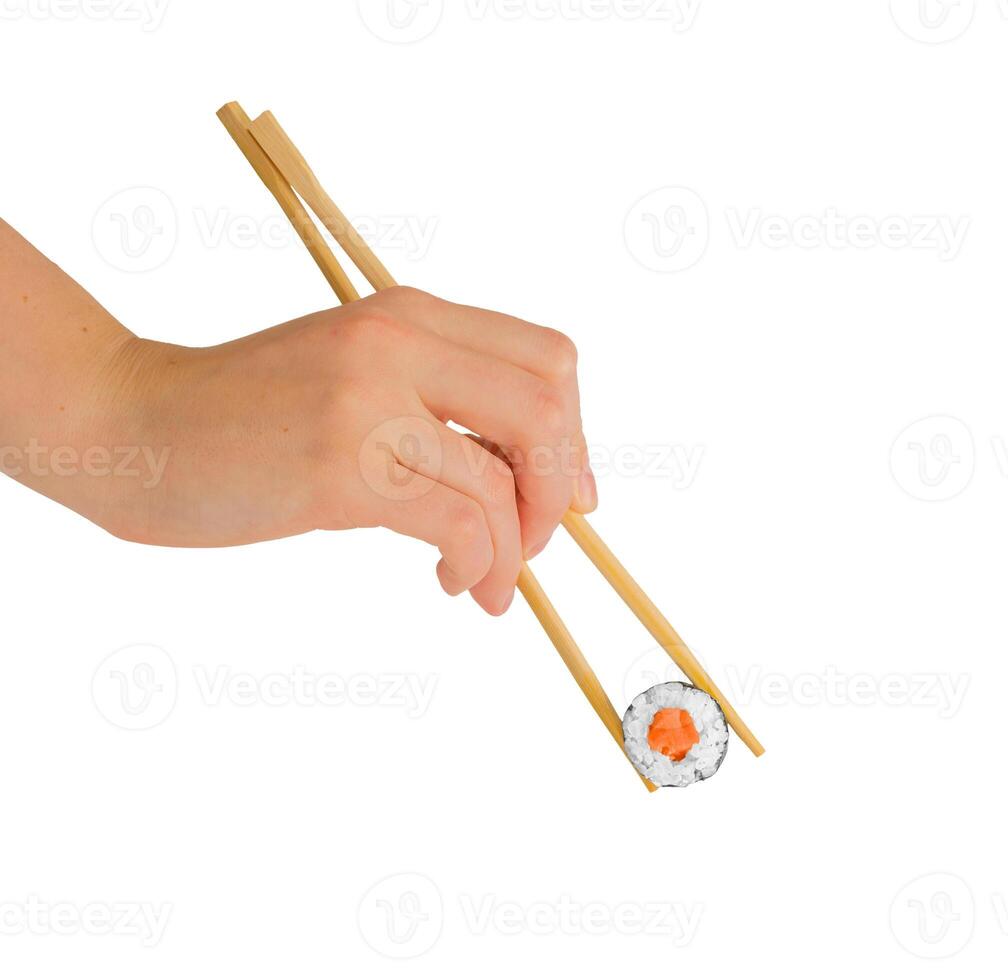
x,y
65,425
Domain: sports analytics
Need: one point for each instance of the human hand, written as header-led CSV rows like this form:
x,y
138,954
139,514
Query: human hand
x,y
338,420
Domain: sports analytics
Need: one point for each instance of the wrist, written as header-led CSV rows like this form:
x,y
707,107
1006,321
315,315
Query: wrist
x,y
116,455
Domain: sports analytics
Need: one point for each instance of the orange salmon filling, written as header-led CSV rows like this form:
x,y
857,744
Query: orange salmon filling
x,y
672,733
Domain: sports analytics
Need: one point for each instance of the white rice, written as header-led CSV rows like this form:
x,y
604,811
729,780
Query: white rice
x,y
702,760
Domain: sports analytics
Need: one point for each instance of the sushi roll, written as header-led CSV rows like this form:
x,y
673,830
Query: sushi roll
x,y
675,734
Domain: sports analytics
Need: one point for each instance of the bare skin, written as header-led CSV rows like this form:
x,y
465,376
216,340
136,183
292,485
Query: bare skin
x,y
332,421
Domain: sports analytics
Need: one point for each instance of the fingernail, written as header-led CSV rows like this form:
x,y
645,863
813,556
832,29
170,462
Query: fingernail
x,y
587,492
507,605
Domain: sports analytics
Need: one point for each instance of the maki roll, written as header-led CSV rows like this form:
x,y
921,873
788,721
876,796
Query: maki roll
x,y
675,734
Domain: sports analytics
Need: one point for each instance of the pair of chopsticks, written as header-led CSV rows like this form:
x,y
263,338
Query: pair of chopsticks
x,y
286,174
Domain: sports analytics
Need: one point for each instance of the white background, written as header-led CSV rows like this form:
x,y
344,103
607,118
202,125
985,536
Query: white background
x,y
674,185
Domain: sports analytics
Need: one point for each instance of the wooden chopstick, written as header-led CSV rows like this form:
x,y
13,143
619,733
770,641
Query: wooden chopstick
x,y
650,615
289,167
572,656
237,124
279,147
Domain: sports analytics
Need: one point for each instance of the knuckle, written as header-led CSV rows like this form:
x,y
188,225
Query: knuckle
x,y
499,485
341,401
402,300
357,331
372,329
561,353
550,413
405,294
466,525
470,541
